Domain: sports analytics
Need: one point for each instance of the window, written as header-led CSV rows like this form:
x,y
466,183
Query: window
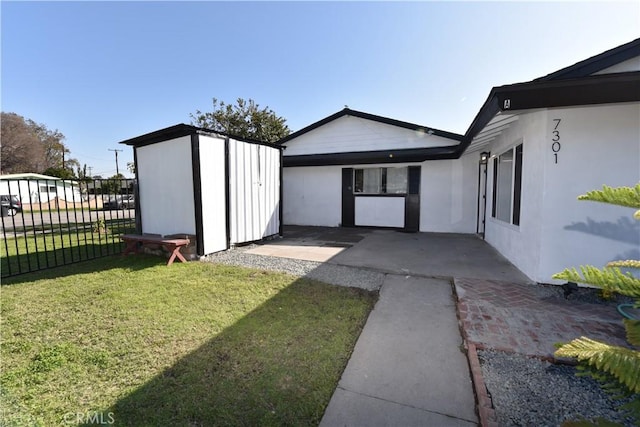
x,y
507,186
380,181
45,189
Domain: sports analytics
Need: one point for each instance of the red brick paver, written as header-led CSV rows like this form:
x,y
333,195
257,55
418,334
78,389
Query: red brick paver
x,y
515,318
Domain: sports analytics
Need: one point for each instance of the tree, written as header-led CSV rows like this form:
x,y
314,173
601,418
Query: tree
x,y
28,146
619,367
113,185
20,148
60,173
56,152
245,119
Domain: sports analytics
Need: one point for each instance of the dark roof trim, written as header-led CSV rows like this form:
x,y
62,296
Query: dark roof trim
x,y
181,130
596,63
590,90
380,119
371,157
598,89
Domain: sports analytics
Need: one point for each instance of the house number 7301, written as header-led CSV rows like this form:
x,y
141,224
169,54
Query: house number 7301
x,y
555,140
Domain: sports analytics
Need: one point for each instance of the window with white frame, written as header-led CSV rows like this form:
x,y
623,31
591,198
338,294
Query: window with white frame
x,y
380,180
507,185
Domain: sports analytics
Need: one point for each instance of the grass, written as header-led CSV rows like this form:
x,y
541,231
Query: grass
x,y
130,340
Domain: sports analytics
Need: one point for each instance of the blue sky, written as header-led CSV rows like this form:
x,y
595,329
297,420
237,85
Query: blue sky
x,y
102,72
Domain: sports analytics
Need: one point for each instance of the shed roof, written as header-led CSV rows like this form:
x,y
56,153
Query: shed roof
x,y
181,130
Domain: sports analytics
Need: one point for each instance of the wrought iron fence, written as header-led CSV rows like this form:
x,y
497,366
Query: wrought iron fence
x,y
49,223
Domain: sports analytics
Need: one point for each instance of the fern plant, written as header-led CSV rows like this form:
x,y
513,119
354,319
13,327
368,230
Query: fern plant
x,y
620,364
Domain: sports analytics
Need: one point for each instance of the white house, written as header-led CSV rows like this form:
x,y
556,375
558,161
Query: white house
x,y
358,169
36,188
548,141
513,177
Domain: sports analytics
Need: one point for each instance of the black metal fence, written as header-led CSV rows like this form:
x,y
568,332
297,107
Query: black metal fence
x,y
49,223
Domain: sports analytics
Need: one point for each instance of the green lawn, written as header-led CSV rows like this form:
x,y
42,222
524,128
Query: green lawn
x,y
30,251
133,341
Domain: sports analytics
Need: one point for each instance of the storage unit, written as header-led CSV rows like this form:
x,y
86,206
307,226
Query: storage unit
x,y
224,190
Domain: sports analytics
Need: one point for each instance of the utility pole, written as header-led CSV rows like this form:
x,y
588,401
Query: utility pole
x,y
116,151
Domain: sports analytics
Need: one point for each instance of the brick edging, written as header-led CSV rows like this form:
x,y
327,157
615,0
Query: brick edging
x,y
486,413
484,404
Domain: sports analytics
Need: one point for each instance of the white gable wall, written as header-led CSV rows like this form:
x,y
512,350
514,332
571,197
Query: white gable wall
x,y
632,64
599,145
348,134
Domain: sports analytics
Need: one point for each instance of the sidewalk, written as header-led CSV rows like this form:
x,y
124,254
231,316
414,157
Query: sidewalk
x,y
408,367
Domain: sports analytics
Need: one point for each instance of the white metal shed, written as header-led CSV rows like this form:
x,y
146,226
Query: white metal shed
x,y
223,189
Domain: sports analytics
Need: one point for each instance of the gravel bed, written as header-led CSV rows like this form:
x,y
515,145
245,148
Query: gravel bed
x,y
579,294
323,272
531,392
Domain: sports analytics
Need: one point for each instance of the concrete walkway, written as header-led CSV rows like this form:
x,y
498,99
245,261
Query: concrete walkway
x,y
407,367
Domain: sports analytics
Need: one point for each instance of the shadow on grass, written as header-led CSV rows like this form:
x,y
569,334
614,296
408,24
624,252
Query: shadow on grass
x,y
132,263
278,365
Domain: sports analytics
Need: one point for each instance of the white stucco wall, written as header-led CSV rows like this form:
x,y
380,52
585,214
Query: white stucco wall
x,y
599,145
165,181
520,244
379,211
449,194
212,176
313,195
348,133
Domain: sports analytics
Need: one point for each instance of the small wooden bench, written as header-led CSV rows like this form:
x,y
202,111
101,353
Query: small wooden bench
x,y
136,241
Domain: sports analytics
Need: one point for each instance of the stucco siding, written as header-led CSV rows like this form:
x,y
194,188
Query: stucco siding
x,y
312,196
601,145
448,195
598,145
520,244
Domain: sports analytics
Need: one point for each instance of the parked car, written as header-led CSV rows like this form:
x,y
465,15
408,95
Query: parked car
x,y
10,205
126,201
